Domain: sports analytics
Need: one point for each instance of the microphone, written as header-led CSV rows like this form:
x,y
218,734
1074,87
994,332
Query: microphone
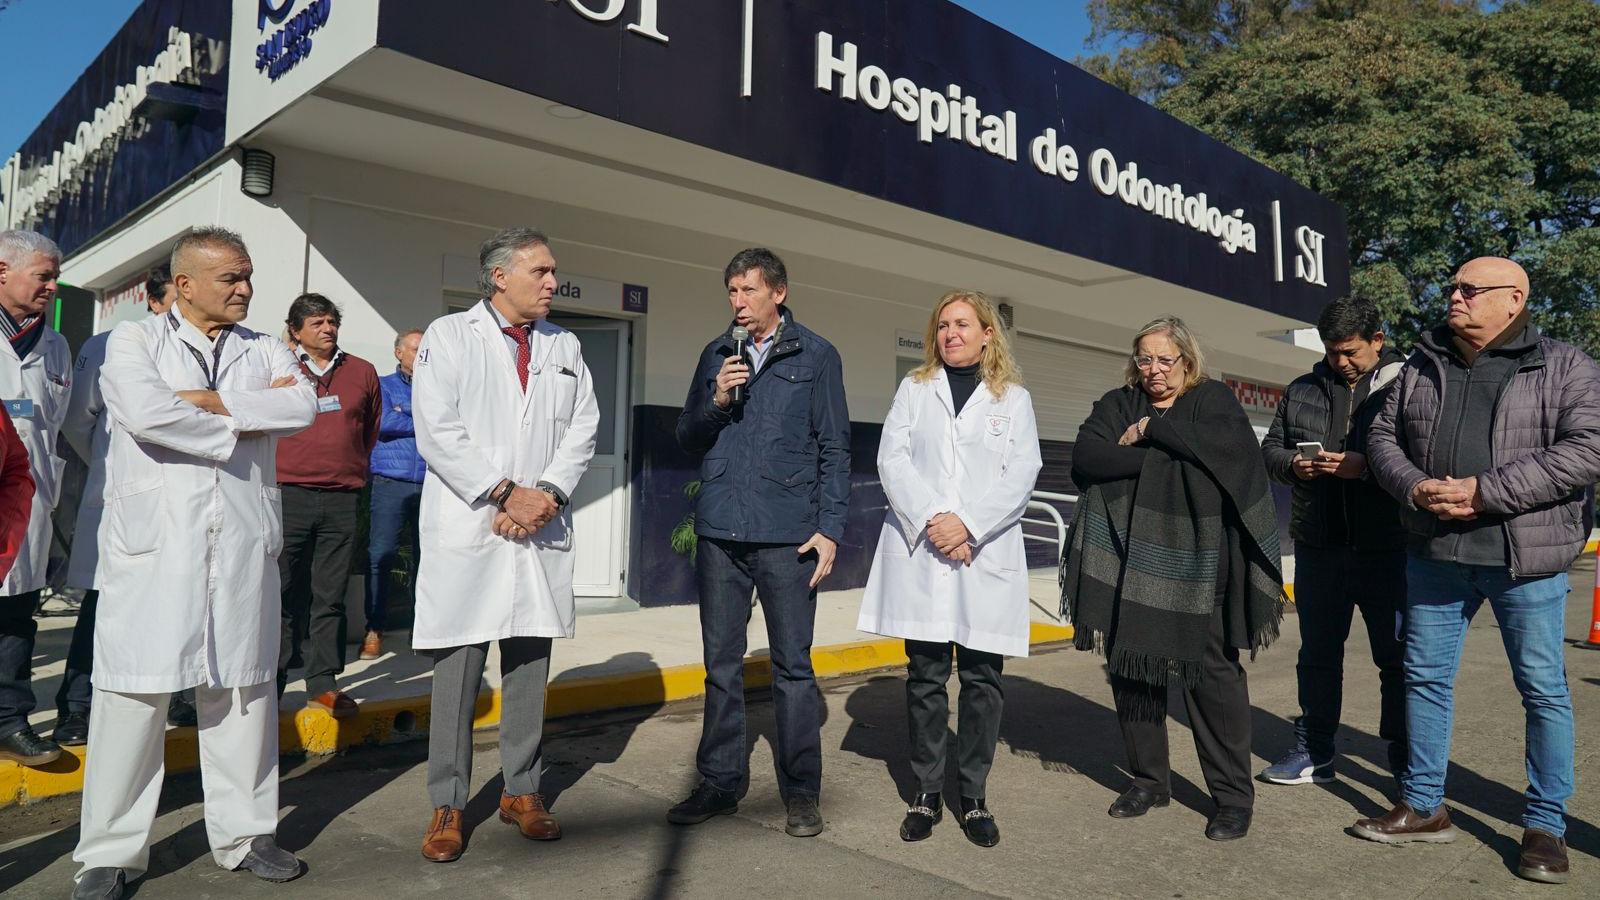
x,y
740,334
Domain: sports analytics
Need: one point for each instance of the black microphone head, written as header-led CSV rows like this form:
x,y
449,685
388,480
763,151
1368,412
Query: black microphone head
x,y
741,337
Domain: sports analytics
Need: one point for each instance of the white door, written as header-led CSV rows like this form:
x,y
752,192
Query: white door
x,y
600,504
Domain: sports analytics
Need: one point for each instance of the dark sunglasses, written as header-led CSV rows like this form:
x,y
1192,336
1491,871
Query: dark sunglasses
x,y
1468,291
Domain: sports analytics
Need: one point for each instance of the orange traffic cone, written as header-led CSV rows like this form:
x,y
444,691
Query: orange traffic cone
x,y
1593,642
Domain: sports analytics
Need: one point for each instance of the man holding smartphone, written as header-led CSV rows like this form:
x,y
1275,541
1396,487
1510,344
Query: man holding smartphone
x,y
1349,543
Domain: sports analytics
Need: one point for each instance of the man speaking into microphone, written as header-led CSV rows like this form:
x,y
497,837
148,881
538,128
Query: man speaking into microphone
x,y
767,412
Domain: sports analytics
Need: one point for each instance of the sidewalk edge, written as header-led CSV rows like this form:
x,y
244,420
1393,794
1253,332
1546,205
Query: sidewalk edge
x,y
314,732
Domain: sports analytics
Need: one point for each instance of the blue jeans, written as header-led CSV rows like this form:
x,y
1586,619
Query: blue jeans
x,y
726,572
394,513
1441,600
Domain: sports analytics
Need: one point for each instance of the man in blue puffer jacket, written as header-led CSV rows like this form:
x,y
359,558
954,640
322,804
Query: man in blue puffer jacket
x,y
774,489
396,488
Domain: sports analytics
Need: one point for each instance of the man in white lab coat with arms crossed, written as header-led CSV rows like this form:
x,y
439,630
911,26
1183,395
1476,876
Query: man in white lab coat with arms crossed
x,y
189,577
506,418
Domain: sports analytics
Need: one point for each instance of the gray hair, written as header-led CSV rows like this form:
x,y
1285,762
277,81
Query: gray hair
x,y
401,337
1194,360
19,247
208,236
496,252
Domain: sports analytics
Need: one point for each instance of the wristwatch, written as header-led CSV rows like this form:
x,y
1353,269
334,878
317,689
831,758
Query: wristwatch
x,y
555,495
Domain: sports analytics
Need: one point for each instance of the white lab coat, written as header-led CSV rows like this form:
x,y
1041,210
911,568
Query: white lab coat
x,y
475,426
88,429
194,520
981,466
45,377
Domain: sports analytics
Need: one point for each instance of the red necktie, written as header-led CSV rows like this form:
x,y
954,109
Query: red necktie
x,y
519,334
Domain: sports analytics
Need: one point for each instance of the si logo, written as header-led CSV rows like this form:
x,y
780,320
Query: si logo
x,y
1310,266
267,12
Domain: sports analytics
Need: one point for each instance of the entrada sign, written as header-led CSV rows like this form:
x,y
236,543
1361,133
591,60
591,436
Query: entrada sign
x,y
290,44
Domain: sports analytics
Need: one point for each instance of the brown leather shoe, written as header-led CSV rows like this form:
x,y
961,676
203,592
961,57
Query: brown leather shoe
x,y
334,703
1544,857
1402,825
443,841
372,647
527,812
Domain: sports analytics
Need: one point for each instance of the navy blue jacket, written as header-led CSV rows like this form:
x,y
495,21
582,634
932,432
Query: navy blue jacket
x,y
777,469
395,455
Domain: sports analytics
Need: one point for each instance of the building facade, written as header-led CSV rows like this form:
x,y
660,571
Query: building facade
x,y
888,151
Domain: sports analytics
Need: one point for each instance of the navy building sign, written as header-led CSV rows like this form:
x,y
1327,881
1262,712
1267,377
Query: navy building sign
x,y
148,111
924,104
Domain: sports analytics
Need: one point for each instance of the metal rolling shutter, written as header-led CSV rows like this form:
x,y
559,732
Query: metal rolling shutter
x,y
1065,381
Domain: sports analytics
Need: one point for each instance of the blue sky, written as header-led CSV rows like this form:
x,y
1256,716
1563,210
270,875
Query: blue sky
x,y
46,44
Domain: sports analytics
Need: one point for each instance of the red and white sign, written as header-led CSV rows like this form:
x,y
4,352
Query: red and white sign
x,y
132,292
1257,398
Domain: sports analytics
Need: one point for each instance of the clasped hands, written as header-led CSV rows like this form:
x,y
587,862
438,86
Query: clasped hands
x,y
1449,498
526,511
949,535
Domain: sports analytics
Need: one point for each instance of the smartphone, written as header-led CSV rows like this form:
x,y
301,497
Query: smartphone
x,y
1309,449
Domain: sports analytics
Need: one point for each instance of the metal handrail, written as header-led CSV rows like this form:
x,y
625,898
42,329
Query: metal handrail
x,y
1037,503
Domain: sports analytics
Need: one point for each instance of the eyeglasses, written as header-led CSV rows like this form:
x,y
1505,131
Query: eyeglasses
x,y
1468,291
1164,363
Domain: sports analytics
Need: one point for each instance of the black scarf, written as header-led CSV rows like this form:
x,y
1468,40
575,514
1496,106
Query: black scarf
x,y
1139,577
23,335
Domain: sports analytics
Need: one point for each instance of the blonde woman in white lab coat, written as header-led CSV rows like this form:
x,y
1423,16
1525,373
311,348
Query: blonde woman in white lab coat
x,y
958,459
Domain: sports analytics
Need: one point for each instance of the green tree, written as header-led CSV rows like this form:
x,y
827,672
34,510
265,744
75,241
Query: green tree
x,y
1445,136
1162,40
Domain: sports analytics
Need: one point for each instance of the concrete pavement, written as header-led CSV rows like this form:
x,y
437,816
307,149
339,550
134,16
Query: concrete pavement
x,y
357,819
622,657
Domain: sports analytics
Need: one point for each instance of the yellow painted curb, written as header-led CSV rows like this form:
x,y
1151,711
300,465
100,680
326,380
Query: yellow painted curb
x,y
314,732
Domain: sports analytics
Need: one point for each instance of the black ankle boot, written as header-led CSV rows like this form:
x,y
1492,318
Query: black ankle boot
x,y
925,812
978,823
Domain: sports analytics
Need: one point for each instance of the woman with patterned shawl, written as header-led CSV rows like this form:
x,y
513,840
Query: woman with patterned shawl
x,y
1172,567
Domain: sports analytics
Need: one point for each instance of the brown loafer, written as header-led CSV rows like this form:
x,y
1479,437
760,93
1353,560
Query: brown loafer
x,y
443,842
1402,825
1544,857
334,703
527,812
372,647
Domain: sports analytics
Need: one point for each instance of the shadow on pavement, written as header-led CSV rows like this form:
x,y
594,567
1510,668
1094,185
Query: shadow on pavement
x,y
1064,731
1462,785
316,802
589,741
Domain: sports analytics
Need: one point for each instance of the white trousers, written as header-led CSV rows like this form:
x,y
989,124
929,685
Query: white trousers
x,y
126,763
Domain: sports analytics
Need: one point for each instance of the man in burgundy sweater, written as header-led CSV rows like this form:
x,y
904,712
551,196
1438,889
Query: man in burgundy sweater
x,y
322,471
